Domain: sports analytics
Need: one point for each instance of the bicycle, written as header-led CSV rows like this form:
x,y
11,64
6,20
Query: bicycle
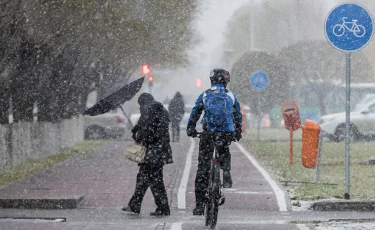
x,y
357,29
214,196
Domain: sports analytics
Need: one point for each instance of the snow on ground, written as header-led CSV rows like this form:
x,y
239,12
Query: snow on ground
x,y
305,205
345,226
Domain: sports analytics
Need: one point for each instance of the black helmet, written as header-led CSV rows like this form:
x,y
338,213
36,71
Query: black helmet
x,y
219,76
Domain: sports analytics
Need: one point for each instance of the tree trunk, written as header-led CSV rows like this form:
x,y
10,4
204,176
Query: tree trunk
x,y
4,105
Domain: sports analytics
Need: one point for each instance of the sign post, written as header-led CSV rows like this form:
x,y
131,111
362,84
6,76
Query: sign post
x,y
292,122
259,80
349,28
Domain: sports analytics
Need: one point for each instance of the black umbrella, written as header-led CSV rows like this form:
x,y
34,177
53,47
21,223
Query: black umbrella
x,y
116,99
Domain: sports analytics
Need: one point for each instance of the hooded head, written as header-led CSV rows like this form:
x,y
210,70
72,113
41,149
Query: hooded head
x,y
145,98
178,95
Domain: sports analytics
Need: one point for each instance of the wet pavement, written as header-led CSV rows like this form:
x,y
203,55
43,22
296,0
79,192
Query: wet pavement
x,y
104,181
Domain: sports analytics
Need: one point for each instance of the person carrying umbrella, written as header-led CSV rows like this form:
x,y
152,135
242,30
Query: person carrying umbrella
x,y
176,109
152,130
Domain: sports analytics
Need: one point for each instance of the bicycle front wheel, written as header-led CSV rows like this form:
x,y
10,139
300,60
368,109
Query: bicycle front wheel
x,y
214,212
215,195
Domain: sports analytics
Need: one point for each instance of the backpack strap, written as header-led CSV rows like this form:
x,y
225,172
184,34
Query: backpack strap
x,y
231,95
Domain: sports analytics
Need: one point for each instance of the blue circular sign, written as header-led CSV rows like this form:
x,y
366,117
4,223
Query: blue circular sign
x,y
259,80
349,27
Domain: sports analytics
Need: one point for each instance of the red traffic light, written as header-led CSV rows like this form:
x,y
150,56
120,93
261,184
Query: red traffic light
x,y
145,69
198,82
150,78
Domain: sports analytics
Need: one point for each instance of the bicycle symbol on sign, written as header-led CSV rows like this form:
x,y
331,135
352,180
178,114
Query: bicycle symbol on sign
x,y
357,29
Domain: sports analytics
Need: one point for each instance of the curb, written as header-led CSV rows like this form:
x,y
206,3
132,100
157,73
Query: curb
x,y
359,206
41,203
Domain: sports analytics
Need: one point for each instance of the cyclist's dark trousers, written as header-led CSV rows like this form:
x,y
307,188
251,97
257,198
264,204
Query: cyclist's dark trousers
x,y
206,149
150,177
175,131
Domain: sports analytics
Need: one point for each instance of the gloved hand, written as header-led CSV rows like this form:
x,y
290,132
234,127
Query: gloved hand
x,y
237,135
192,132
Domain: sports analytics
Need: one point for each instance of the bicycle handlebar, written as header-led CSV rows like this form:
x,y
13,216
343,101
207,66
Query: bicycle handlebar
x,y
199,134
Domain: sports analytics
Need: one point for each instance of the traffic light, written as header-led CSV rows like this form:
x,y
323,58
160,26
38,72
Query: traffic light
x,y
198,82
150,80
145,69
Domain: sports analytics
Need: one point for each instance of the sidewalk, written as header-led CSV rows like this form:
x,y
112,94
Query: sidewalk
x,y
103,178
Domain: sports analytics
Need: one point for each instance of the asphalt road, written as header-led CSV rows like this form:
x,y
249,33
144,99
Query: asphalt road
x,y
105,181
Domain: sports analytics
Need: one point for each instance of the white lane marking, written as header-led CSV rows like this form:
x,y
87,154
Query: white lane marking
x,y
181,195
176,226
244,192
279,193
281,222
302,227
249,192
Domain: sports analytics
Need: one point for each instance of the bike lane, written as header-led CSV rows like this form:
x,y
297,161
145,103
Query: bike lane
x,y
253,192
250,192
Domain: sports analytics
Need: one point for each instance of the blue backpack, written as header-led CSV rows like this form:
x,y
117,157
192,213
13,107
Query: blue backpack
x,y
218,107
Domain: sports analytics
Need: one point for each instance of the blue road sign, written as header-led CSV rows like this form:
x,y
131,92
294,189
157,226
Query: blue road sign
x,y
259,80
349,27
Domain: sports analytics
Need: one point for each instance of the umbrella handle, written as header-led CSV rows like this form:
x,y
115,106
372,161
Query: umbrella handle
x,y
126,117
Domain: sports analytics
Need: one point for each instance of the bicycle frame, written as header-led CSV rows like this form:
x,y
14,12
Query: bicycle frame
x,y
353,23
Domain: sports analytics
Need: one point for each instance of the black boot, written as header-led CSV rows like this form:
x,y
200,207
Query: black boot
x,y
130,210
227,179
159,213
198,210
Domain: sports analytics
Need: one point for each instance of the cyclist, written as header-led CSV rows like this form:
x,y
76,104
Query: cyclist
x,y
222,122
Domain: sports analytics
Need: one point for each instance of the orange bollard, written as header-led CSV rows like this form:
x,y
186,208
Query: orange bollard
x,y
310,143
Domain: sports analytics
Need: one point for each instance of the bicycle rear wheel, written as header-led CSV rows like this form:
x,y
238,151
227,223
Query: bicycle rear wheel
x,y
207,212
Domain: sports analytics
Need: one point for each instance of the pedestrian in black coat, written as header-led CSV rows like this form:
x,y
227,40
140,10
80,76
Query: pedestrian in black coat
x,y
176,110
152,130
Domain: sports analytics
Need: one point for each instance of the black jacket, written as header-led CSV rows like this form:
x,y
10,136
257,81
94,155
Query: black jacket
x,y
176,108
152,130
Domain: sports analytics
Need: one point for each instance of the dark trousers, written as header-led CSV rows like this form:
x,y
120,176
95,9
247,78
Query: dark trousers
x,y
208,142
175,131
150,177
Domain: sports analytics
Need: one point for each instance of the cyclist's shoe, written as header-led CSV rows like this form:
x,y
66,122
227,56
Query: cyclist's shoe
x,y
227,179
198,211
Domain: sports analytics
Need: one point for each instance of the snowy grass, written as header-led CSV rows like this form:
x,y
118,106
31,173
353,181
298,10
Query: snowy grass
x,y
272,134
34,166
300,181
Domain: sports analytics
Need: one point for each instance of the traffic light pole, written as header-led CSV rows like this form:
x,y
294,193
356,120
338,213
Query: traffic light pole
x,y
150,88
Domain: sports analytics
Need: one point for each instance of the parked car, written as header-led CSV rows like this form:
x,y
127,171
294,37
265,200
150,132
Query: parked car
x,y
111,124
362,120
368,98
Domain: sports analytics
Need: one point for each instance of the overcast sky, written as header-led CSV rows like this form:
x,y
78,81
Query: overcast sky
x,y
210,25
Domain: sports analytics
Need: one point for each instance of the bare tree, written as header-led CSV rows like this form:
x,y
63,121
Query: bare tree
x,y
318,64
54,52
275,93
